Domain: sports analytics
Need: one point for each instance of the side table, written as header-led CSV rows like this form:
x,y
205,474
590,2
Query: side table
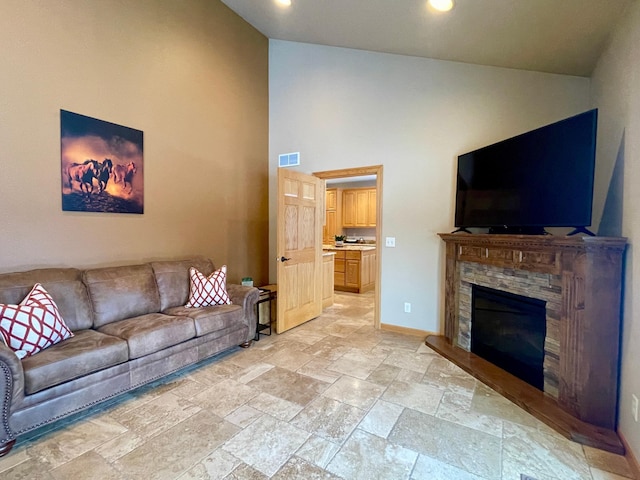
x,y
268,293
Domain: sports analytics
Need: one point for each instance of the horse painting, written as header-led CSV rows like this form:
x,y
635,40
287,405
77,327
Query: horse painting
x,y
112,183
104,173
124,174
83,173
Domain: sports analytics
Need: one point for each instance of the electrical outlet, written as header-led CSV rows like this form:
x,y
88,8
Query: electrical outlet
x,y
390,242
407,309
634,407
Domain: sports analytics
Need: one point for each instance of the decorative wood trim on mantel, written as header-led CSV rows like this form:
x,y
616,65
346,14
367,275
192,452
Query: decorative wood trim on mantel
x,y
590,269
535,241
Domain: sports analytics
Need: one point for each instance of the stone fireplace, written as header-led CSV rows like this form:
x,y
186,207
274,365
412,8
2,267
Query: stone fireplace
x,y
541,286
579,279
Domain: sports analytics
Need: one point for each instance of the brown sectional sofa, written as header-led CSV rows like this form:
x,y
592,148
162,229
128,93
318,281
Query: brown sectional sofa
x,y
130,327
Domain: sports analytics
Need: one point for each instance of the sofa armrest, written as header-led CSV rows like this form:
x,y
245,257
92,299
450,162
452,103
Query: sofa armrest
x,y
247,297
11,393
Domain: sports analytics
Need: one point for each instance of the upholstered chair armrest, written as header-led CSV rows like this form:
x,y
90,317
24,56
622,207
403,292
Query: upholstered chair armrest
x,y
11,393
247,298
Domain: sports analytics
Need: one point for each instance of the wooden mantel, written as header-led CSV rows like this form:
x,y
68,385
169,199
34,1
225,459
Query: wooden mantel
x,y
586,273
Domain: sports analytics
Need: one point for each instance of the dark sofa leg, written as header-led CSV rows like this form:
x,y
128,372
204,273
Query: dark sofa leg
x,y
6,448
246,344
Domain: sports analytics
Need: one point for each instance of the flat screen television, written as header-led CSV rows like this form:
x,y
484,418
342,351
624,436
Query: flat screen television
x,y
542,178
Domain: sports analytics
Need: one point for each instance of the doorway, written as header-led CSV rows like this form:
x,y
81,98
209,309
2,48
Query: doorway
x,y
350,173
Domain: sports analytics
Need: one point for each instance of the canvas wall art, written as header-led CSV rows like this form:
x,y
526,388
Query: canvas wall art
x,y
102,165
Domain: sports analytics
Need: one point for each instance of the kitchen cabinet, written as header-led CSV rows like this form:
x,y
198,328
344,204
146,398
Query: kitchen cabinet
x,y
331,200
338,269
348,208
327,279
369,269
354,270
359,207
332,226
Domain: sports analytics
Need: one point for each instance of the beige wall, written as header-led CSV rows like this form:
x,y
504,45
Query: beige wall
x,y
616,93
192,75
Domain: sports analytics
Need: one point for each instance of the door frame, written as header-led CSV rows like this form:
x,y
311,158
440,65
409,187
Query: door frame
x,y
357,172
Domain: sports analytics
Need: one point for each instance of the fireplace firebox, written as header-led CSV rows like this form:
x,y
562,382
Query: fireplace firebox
x,y
509,331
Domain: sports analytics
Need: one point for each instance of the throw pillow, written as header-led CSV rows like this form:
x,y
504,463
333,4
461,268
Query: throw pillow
x,y
20,353
34,324
211,290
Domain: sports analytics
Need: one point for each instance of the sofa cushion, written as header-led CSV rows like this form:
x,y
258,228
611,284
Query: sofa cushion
x,y
211,319
205,291
152,332
63,284
118,293
86,352
173,279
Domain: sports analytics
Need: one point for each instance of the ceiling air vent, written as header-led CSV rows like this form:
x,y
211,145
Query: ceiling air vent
x,y
289,159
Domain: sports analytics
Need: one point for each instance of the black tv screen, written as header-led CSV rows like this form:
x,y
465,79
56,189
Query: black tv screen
x,y
542,178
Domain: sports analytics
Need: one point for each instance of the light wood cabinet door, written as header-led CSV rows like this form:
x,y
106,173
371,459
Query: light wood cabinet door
x,y
369,267
332,198
359,207
365,270
362,208
339,267
348,208
330,228
327,280
371,217
332,225
352,273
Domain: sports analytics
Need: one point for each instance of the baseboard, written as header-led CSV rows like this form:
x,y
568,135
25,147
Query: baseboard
x,y
631,458
405,330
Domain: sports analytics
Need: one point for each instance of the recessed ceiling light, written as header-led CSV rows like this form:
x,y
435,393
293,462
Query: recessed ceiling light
x,y
441,5
284,3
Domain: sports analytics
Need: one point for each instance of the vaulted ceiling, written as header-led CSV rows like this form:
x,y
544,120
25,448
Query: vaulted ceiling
x,y
556,36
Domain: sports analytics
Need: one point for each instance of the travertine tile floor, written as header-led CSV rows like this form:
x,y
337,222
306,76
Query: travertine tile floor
x,y
331,399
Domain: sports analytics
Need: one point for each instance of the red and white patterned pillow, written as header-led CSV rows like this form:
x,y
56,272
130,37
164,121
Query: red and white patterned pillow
x,y
33,325
211,290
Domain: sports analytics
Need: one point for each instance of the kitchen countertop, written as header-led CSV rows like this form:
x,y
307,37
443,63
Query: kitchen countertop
x,y
351,247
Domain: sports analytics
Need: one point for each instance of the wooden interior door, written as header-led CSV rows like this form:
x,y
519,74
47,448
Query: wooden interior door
x,y
299,225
